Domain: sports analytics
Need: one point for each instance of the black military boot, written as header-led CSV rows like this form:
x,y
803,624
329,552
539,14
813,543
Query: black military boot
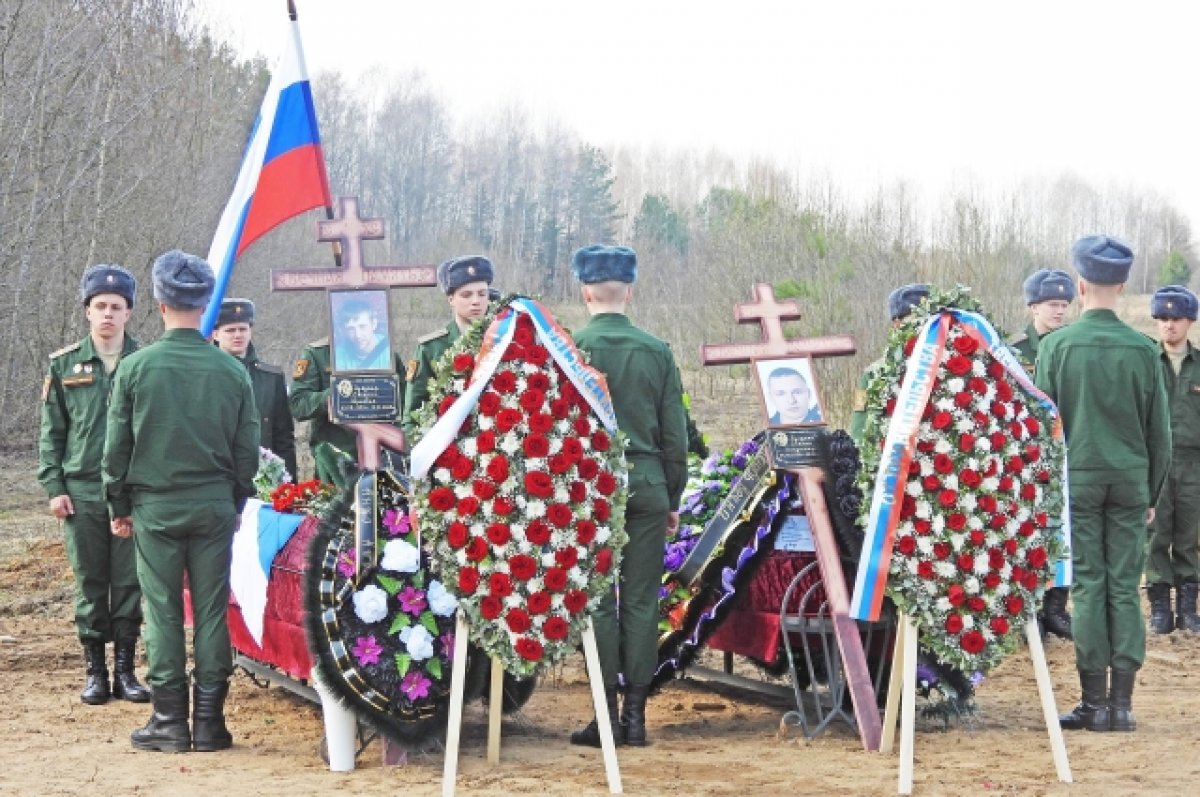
x,y
95,691
168,730
633,717
1120,697
125,684
1161,620
1185,607
590,735
208,719
1092,711
1054,617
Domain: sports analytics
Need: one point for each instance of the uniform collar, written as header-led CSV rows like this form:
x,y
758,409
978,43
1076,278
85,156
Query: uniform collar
x,y
87,349
612,319
1188,354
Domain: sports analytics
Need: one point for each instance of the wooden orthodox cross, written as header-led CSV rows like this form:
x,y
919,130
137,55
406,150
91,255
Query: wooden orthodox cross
x,y
770,314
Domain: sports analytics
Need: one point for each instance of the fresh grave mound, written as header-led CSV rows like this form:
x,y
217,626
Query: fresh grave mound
x,y
520,483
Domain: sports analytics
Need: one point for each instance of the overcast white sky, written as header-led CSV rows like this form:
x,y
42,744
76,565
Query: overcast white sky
x,y
867,91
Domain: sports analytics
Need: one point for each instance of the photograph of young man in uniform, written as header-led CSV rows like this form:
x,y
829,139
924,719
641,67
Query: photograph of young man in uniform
x,y
360,331
785,387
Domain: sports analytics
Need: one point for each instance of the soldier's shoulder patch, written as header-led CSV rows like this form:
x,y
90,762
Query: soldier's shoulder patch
x,y
860,400
268,368
441,333
319,342
300,369
66,350
46,388
411,371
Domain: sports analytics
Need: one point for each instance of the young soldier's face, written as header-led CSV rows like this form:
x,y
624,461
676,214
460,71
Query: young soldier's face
x,y
1174,331
360,330
234,338
1050,314
469,301
791,397
107,314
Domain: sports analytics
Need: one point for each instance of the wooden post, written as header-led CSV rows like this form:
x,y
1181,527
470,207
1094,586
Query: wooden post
x,y
908,709
495,704
608,745
1042,673
895,681
458,676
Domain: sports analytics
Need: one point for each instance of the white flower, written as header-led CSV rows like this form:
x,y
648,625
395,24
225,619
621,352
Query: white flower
x,y
964,424
914,488
462,490
950,482
509,444
992,483
982,566
535,509
401,557
418,640
945,569
975,522
967,500
944,404
468,447
602,534
957,541
925,546
955,384
942,446
983,444
978,368
441,475
939,523
441,602
968,622
370,604
971,585
924,510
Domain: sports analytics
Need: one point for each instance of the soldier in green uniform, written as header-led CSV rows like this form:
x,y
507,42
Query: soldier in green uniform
x,y
1048,294
108,600
466,282
1171,559
1107,381
234,333
179,463
648,398
900,303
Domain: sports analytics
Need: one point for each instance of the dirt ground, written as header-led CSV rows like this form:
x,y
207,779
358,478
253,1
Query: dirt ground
x,y
706,740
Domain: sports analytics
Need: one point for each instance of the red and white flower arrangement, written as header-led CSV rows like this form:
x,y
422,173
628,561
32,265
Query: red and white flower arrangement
x,y
526,504
976,540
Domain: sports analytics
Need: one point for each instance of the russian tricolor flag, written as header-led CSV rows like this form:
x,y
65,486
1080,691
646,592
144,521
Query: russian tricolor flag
x,y
283,170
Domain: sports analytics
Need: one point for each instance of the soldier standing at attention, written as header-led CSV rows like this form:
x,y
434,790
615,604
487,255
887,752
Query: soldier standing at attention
x,y
179,463
466,281
234,333
108,600
1107,381
1048,294
648,399
1171,558
900,303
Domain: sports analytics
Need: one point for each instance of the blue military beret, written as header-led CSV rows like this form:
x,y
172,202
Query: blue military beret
x,y
1173,301
1049,283
453,274
235,311
182,281
597,263
902,300
105,278
1102,260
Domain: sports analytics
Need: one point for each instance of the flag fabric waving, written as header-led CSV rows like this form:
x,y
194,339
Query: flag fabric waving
x,y
282,173
262,534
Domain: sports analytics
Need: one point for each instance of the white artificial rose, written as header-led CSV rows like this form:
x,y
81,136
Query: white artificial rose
x,y
419,642
441,602
401,557
370,604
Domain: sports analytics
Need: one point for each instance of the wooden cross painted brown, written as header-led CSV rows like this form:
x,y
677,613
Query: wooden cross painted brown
x,y
769,314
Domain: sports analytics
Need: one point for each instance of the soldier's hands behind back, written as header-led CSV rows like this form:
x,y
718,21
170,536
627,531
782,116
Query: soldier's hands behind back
x,y
61,506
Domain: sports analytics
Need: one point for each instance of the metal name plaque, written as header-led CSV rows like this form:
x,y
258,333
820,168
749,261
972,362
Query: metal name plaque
x,y
794,448
365,507
363,398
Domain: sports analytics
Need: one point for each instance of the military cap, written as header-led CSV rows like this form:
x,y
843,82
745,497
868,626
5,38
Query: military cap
x,y
236,311
182,281
1102,260
597,263
1049,283
1173,301
104,278
455,273
902,300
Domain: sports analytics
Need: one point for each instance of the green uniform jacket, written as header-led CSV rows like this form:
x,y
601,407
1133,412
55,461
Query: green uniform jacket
x,y
1027,344
858,417
309,398
430,348
1107,381
644,383
276,430
74,412
182,425
1183,391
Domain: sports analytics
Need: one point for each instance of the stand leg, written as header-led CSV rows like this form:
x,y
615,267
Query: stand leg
x,y
458,676
908,709
596,678
341,728
1042,673
495,704
895,681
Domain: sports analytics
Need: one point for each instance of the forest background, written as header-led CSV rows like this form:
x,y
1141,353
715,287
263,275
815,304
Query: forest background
x,y
122,124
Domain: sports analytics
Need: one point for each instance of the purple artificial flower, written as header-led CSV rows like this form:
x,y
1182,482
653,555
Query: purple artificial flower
x,y
738,461
675,556
447,640
415,685
747,448
412,600
663,592
345,565
367,649
709,465
396,523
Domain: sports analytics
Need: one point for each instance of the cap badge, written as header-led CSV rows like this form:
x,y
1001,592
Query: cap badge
x,y
471,270
111,279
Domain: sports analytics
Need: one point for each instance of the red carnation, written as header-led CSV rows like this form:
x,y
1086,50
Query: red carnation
x,y
497,468
906,544
954,624
995,370
606,483
942,419
458,534
965,562
1006,483
1031,424
977,385
467,506
588,468
556,577
477,549
507,419
489,403
555,628
958,365
538,381
1030,581
1041,519
448,457
976,604
539,602
909,345
965,344
970,478
485,442
522,566
528,649
560,515
503,505
987,503
538,532
930,482
890,406
1043,476
559,464
995,558
490,607
514,352
539,484
999,409
536,355
922,526
498,533
577,491
1028,491
540,422
1014,465
462,468
1015,604
998,440
567,557
991,581
977,537
956,595
601,510
966,442
948,498
560,408
504,382
536,445
463,362
531,400
468,580
483,489
924,446
997,521
1037,556
1010,546
1016,430
942,550
585,531
582,426
1004,390
604,561
999,626
981,418
956,521
517,621
972,642
441,498
446,403
600,440
575,600
943,464
962,400
572,448
908,507
523,334
925,569
1032,453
